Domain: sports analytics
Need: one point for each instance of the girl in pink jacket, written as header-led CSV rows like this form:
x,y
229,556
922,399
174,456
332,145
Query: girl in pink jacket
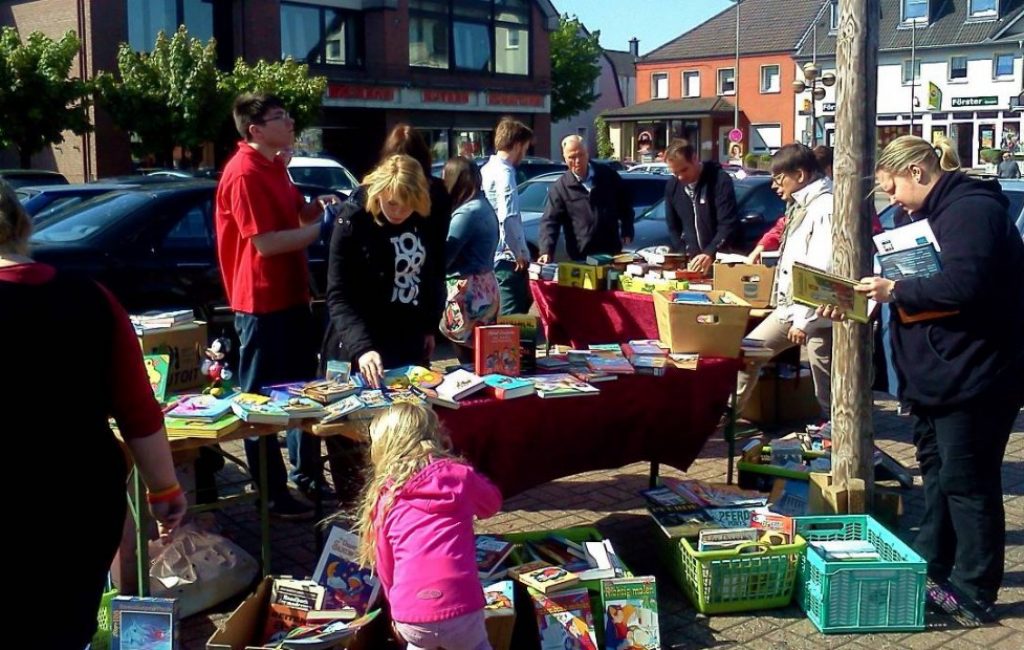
x,y
416,527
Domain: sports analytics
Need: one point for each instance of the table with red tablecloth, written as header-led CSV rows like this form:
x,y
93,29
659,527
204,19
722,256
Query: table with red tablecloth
x,y
580,317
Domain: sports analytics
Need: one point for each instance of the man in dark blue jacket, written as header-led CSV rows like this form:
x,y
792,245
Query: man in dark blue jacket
x,y
700,205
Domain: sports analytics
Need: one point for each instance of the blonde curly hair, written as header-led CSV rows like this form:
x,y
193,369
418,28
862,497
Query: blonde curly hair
x,y
402,177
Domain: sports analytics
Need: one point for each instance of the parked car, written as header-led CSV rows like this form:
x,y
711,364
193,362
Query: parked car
x,y
187,174
651,168
612,163
645,190
322,172
40,201
20,177
154,246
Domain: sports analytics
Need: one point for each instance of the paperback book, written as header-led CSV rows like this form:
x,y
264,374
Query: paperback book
x,y
565,620
630,613
348,584
144,623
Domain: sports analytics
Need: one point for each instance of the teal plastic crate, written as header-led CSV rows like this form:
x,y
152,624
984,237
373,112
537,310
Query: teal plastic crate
x,y
843,596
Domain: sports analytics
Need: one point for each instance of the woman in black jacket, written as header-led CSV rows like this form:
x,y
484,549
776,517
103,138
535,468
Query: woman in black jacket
x,y
959,354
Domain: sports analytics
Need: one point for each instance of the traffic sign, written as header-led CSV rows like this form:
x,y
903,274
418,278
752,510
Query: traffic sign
x,y
736,135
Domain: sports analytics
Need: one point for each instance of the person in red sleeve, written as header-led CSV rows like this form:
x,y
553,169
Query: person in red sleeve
x,y
263,229
72,361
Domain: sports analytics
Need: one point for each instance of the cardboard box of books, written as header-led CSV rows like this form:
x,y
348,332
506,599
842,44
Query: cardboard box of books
x,y
185,345
244,628
712,326
634,284
751,282
582,276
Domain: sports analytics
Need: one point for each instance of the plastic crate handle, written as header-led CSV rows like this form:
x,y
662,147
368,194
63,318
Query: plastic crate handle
x,y
753,548
823,526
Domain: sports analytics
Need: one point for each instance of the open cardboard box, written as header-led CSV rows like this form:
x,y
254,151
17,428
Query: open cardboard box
x,y
243,629
710,330
185,345
751,282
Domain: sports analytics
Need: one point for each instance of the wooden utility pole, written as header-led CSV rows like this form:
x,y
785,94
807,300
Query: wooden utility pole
x,y
856,97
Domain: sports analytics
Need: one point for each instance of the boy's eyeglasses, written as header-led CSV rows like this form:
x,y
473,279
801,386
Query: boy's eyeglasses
x,y
282,116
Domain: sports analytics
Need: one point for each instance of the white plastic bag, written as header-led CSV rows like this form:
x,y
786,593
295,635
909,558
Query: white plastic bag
x,y
198,568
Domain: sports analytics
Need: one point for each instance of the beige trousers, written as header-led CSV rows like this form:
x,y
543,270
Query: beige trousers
x,y
774,334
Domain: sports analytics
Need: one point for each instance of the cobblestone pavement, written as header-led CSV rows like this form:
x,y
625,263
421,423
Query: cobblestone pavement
x,y
609,501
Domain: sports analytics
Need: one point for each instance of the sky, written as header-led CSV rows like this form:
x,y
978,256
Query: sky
x,y
654,22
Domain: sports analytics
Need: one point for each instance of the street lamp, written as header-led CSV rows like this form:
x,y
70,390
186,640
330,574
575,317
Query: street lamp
x,y
816,82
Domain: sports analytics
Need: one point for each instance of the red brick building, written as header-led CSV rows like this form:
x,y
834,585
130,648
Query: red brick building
x,y
689,88
450,67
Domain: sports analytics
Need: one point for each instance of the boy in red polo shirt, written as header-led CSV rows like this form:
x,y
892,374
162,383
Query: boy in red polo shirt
x,y
263,229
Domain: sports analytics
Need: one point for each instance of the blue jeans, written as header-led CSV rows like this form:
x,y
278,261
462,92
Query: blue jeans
x,y
276,348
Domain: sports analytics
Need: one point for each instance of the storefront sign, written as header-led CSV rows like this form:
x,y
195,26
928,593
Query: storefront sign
x,y
364,93
514,99
445,96
934,97
969,102
828,107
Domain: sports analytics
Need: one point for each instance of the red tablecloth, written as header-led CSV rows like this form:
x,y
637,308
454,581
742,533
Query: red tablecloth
x,y
524,442
580,317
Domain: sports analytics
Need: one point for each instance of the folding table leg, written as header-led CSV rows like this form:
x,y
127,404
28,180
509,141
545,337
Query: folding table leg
x,y
655,466
141,516
264,502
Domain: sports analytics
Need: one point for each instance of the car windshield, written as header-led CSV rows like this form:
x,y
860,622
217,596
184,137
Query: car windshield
x,y
81,221
533,196
336,178
646,191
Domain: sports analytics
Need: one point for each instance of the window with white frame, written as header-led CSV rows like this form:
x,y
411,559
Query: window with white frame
x,y
765,138
833,16
979,8
770,80
911,71
958,68
726,81
915,10
659,85
1002,66
691,83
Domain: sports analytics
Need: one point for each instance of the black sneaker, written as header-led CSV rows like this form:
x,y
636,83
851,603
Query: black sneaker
x,y
945,599
309,491
288,508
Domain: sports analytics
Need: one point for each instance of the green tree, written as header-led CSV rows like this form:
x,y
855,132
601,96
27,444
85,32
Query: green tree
x,y
166,98
605,149
302,95
574,68
38,102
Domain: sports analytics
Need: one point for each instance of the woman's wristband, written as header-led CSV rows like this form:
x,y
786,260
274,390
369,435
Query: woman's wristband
x,y
167,494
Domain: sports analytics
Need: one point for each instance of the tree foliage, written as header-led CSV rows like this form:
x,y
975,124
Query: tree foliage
x,y
169,97
605,149
289,80
38,102
575,57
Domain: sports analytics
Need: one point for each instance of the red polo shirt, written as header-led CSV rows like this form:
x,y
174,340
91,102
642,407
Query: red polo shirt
x,y
256,196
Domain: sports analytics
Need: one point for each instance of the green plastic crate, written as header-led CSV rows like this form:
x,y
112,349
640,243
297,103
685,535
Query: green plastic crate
x,y
751,576
843,596
104,629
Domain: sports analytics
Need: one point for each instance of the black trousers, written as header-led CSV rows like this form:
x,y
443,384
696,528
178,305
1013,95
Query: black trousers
x,y
960,451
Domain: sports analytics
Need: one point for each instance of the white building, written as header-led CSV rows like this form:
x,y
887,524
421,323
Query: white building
x,y
949,67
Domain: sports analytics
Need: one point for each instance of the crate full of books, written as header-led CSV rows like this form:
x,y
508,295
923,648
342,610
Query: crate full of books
x,y
858,577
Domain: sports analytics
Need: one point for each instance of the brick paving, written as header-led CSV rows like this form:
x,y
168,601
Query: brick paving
x,y
609,501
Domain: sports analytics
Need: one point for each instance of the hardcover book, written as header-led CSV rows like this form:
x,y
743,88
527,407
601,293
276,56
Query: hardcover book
x,y
258,409
565,620
201,407
562,385
496,350
157,366
491,553
144,623
459,385
509,387
630,613
189,428
528,325
347,583
548,579
815,288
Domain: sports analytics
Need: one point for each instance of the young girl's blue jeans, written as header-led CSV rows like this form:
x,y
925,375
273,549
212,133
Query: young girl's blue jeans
x,y
466,632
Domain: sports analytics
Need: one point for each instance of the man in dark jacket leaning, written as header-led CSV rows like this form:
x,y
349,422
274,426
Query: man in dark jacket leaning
x,y
700,205
590,203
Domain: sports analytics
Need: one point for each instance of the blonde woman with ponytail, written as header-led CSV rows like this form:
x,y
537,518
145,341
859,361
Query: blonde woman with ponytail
x,y
959,352
416,530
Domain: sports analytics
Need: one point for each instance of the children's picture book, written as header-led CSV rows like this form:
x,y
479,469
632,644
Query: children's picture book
x,y
529,326
459,384
815,288
565,620
420,377
157,366
552,362
338,371
548,579
769,522
201,407
499,598
258,409
610,361
327,636
406,396
374,398
397,378
190,428
505,387
341,408
348,584
491,553
431,397
299,408
327,391
496,350
562,385
144,623
630,613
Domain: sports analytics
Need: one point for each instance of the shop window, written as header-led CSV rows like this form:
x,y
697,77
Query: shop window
x,y
691,84
726,81
147,18
315,34
478,35
659,85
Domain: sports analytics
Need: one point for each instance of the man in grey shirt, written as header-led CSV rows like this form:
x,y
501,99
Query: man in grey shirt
x,y
1008,167
511,141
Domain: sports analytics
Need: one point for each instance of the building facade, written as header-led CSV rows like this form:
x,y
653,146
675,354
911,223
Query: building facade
x,y
689,87
951,68
452,68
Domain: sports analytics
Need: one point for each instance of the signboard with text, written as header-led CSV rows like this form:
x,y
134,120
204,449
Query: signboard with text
x,y
971,102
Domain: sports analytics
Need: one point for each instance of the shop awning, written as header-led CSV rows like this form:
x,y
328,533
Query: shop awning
x,y
660,109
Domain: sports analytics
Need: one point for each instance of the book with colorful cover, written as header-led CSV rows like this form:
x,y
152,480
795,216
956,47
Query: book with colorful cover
x,y
327,391
529,326
420,377
143,623
157,367
406,396
258,409
553,362
562,385
431,397
649,365
590,376
815,288
338,371
189,428
645,348
373,400
496,350
611,362
343,407
348,584
499,598
630,613
491,553
776,524
565,620
548,579
325,636
459,384
509,387
299,408
201,407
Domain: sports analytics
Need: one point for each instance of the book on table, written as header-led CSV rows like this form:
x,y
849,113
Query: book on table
x,y
505,387
258,409
529,326
562,385
459,384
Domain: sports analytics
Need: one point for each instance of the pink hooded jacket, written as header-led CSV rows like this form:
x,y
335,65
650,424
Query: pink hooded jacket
x,y
426,552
